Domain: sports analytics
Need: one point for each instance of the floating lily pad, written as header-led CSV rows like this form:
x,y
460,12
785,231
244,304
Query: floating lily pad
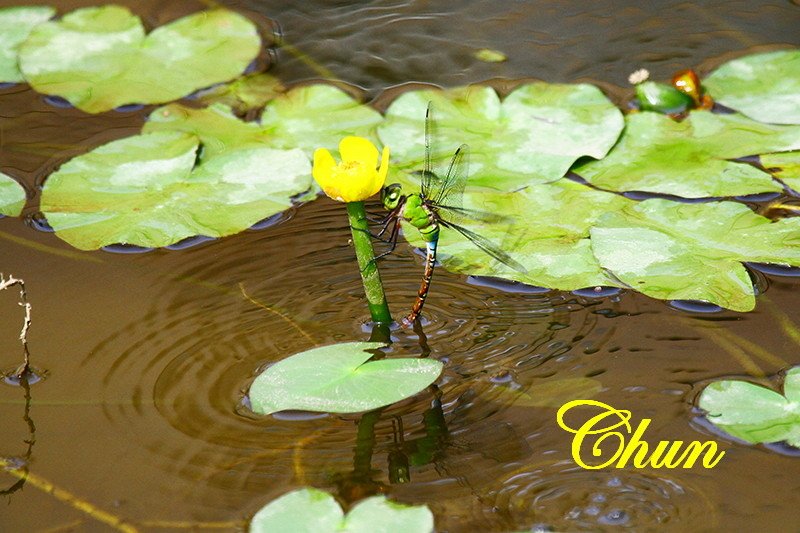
x,y
765,87
753,413
245,94
308,117
146,190
315,511
546,231
16,24
677,251
690,158
533,136
339,379
12,196
99,58
784,165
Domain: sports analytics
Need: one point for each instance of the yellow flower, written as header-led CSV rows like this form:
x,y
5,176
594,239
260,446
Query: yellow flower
x,y
357,177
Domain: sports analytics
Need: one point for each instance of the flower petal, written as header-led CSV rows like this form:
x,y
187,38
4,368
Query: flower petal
x,y
384,165
323,166
359,149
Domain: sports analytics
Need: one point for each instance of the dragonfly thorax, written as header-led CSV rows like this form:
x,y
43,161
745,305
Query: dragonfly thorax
x,y
417,213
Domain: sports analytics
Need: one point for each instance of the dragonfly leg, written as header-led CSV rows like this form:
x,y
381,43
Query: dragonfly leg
x,y
392,240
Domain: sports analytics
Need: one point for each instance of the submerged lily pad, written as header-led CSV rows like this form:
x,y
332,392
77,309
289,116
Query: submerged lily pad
x,y
244,94
784,165
551,393
146,190
12,196
99,58
339,379
308,117
546,231
533,136
16,24
670,250
314,511
764,87
690,158
753,413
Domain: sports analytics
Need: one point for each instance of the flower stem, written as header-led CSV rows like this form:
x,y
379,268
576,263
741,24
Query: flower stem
x,y
376,299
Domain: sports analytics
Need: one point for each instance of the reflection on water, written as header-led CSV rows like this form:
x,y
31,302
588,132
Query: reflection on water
x,y
150,354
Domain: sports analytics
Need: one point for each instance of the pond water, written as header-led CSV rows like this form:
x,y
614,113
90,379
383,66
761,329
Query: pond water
x,y
147,355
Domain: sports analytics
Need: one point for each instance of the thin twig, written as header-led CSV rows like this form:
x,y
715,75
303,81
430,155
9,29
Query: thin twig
x,y
277,313
25,368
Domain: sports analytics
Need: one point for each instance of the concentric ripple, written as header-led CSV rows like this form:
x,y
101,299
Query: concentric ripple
x,y
175,377
567,498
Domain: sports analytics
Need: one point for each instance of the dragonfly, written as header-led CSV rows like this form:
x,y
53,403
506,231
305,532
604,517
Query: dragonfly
x,y
437,205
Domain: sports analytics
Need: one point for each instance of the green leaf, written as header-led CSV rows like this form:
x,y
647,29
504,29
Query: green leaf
x,y
690,158
669,250
309,117
314,511
379,515
765,87
546,231
99,58
305,510
244,94
533,136
12,196
753,413
145,190
16,24
338,379
786,166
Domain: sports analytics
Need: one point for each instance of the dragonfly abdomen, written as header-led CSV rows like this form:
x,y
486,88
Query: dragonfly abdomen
x,y
430,263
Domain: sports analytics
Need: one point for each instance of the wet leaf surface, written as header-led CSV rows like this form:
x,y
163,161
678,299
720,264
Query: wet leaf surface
x,y
340,379
691,158
785,166
308,117
146,190
765,87
676,251
12,196
753,413
16,23
533,136
99,58
314,511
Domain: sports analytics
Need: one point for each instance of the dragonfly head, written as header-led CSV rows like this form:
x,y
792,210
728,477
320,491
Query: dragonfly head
x,y
391,196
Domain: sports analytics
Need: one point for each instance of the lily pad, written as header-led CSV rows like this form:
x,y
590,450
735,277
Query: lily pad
x,y
784,165
753,413
670,250
690,158
308,117
99,58
244,94
315,511
146,190
552,393
12,196
339,379
16,24
765,87
533,136
546,231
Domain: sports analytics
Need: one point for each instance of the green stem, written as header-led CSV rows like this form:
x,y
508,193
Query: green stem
x,y
376,299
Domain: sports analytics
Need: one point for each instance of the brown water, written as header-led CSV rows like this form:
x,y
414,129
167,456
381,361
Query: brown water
x,y
147,355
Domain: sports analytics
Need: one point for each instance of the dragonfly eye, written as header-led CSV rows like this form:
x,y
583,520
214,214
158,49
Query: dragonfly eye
x,y
390,196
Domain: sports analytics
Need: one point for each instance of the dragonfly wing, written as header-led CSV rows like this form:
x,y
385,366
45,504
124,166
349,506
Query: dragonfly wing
x,y
452,213
428,177
487,246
